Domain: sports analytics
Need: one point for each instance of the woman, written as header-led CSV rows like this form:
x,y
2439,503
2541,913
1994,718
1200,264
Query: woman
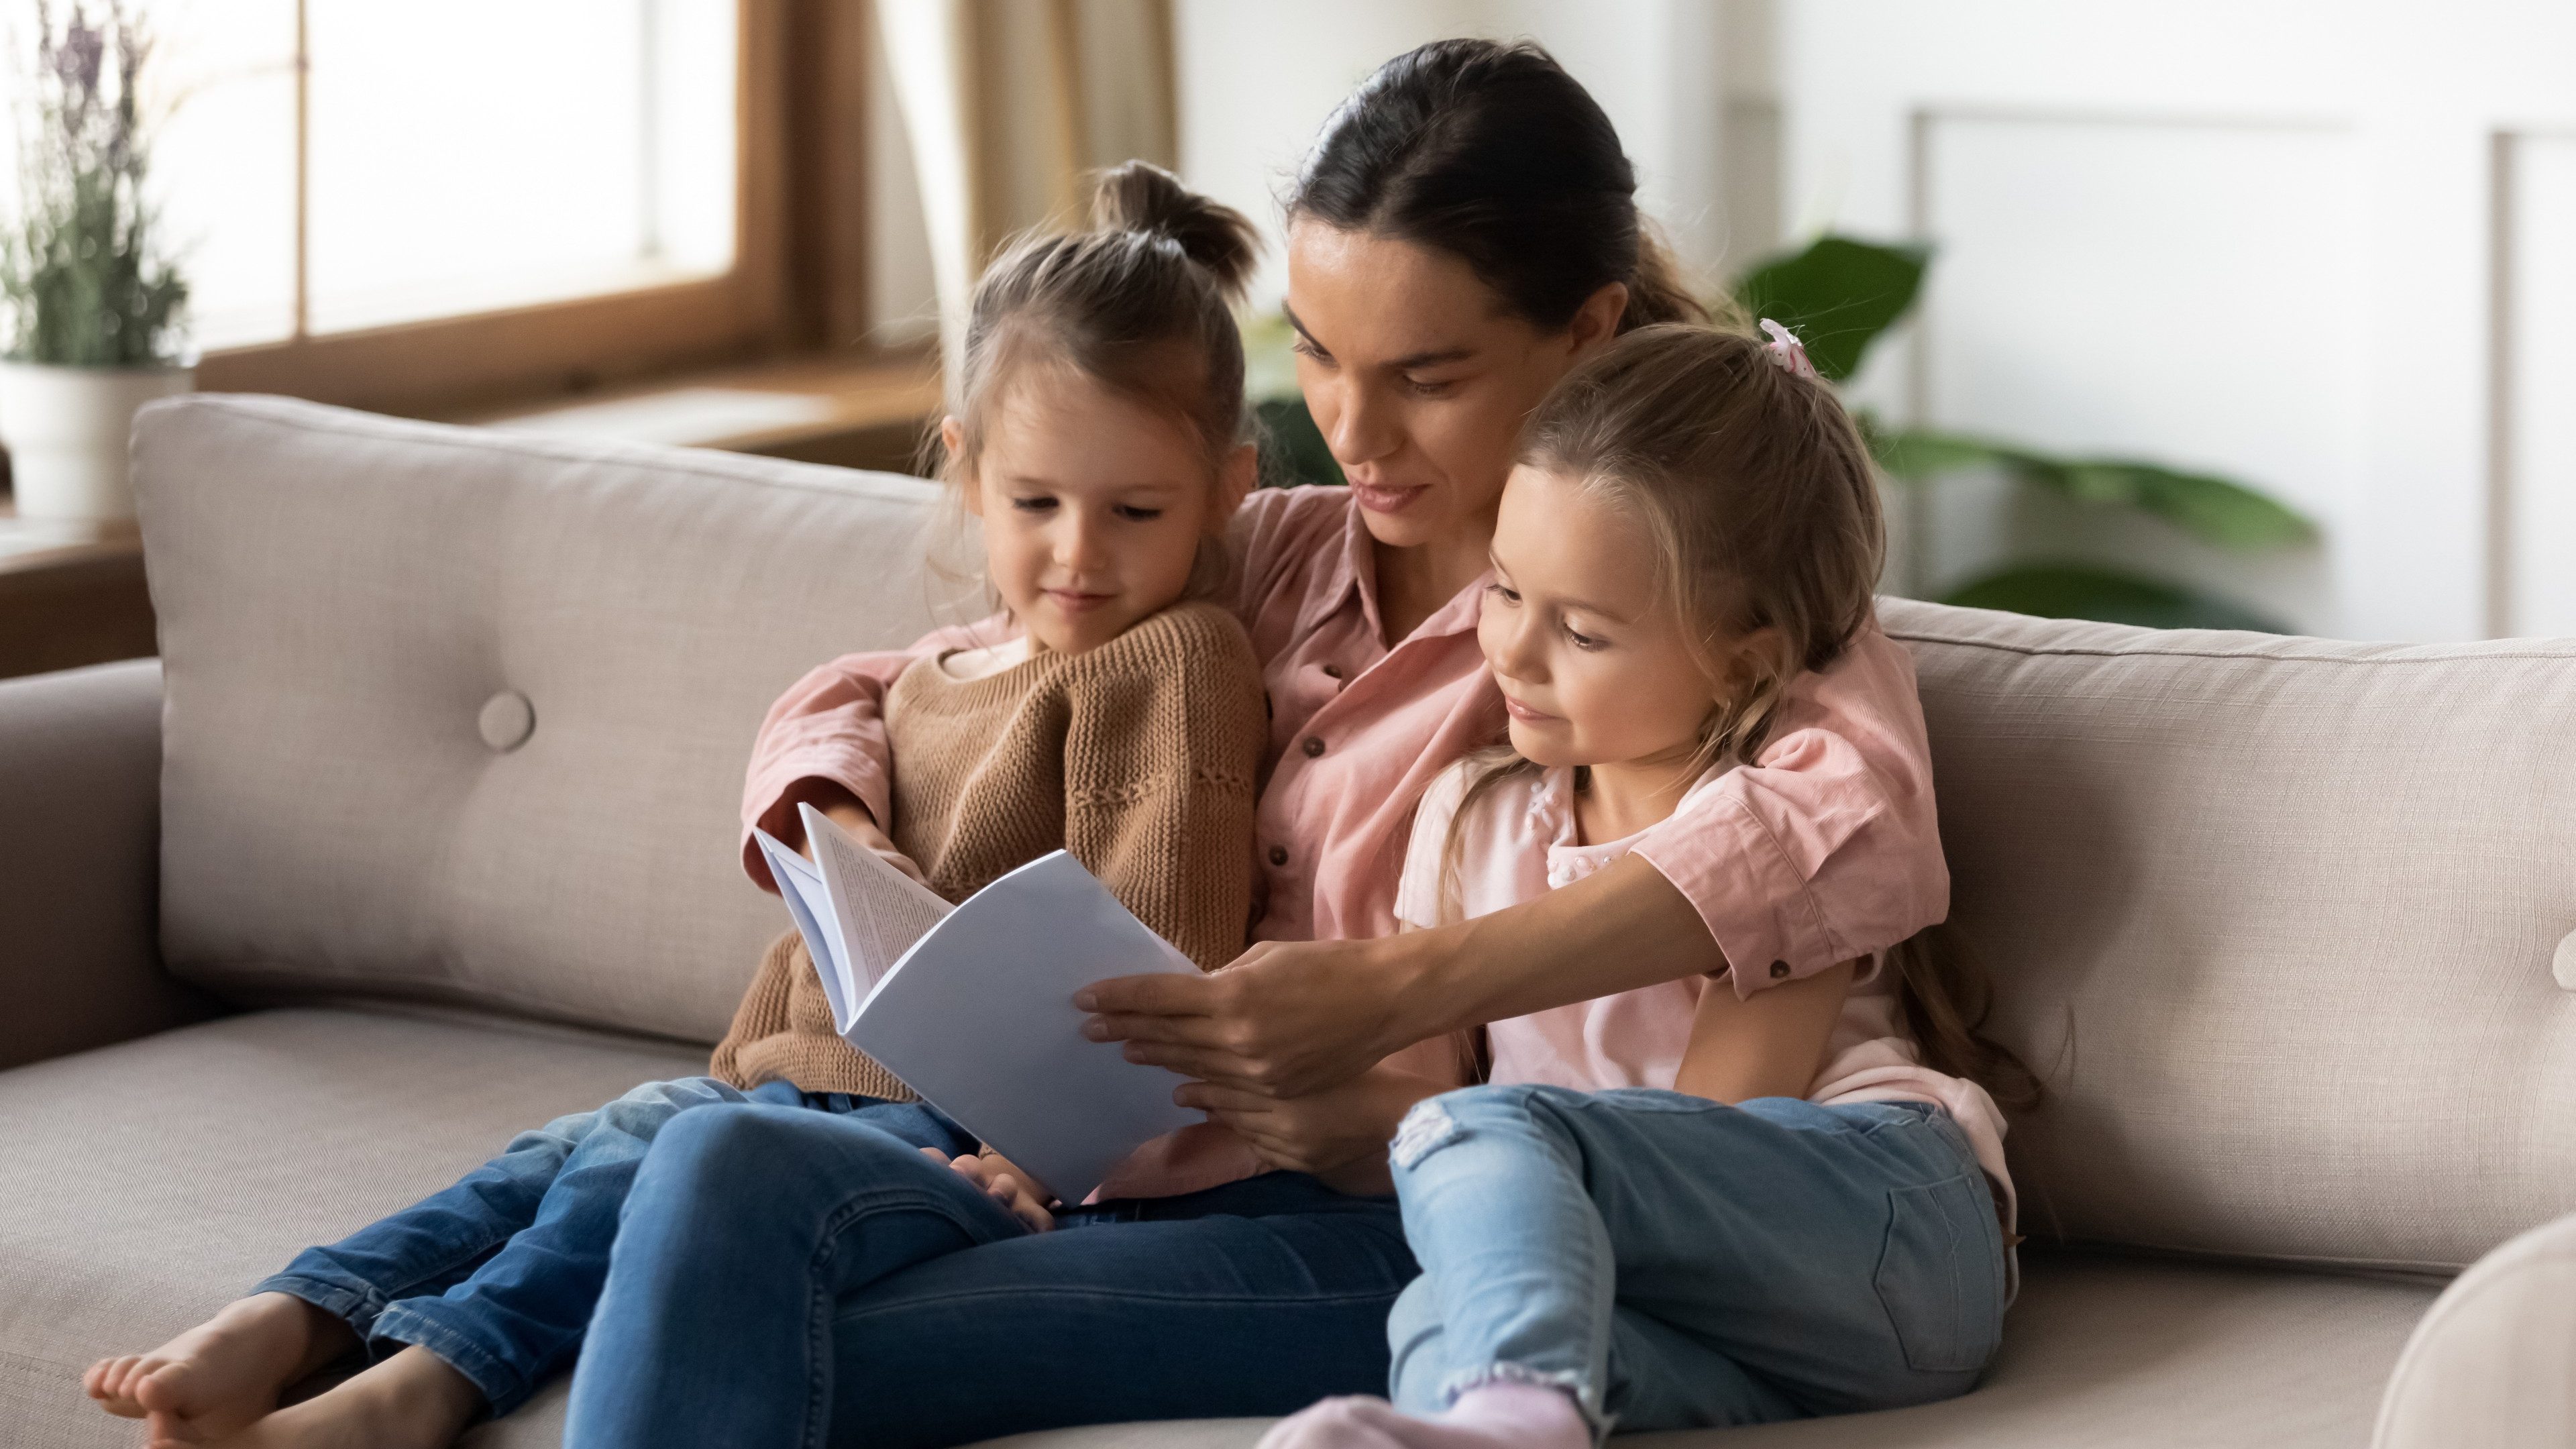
x,y
1464,231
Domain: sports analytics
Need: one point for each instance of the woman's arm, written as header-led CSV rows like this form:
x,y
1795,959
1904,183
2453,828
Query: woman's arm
x,y
1824,850
1291,1018
823,744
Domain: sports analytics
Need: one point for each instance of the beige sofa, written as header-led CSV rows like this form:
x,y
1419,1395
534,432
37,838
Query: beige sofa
x,y
422,831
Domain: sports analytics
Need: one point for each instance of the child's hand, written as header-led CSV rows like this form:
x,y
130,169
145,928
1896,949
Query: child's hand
x,y
853,817
1004,1183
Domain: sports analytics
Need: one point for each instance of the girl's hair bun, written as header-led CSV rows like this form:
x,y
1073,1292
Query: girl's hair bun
x,y
1142,197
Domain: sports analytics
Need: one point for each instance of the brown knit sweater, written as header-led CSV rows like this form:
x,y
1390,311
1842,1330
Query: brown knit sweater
x,y
1138,756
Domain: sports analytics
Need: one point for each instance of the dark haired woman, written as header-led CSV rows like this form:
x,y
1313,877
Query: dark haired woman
x,y
1464,231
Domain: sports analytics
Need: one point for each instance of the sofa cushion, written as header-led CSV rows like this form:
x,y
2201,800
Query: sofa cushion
x,y
353,607
149,1183
144,1185
2104,1352
2275,918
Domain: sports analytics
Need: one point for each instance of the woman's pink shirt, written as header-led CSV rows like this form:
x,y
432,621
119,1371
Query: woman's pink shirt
x,y
1824,849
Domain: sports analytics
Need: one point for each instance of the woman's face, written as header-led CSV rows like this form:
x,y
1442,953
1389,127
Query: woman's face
x,y
1419,375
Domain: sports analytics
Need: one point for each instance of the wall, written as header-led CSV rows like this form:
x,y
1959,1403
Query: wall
x,y
1258,80
2329,248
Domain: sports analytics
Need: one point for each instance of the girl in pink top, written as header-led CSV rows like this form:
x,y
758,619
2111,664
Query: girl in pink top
x,y
1667,1212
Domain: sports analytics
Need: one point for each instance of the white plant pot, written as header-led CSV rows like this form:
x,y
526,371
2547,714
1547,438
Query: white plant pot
x,y
65,429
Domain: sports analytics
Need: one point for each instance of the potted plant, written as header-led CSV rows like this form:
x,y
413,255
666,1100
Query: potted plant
x,y
89,299
1841,295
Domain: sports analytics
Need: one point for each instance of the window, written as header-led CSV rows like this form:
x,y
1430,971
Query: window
x,y
409,206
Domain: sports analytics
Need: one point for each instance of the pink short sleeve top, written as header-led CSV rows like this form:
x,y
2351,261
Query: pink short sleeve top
x,y
1520,839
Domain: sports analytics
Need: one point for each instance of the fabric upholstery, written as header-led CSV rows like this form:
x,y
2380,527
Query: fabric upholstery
x,y
2493,1363
2101,1352
144,1185
80,757
2274,918
150,1182
342,596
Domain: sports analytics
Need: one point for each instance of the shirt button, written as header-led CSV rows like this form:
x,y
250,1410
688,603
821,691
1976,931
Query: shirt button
x,y
1332,671
1779,969
1278,855
1313,747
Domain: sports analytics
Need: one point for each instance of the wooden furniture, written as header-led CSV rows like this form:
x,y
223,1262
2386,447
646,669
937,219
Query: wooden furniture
x,y
853,412
70,594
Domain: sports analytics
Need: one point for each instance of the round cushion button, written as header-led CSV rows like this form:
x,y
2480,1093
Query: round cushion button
x,y
506,721
2564,966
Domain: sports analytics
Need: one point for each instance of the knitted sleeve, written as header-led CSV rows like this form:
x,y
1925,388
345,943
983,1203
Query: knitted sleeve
x,y
1165,740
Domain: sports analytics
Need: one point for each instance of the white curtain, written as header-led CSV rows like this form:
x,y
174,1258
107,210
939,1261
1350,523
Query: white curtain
x,y
1006,103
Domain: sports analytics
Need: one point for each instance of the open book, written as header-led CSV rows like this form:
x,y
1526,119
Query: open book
x,y
972,1006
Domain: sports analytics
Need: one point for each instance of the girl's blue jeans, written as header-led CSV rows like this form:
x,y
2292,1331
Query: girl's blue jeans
x,y
792,1278
498,1274
1674,1263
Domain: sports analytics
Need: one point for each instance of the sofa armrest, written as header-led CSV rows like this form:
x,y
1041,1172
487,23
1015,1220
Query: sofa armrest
x,y
80,827
2493,1362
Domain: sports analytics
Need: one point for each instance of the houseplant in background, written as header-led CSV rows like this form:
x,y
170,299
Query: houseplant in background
x,y
1841,295
89,297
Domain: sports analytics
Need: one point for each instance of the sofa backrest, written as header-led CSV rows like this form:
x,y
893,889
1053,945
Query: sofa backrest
x,y
349,603
2275,919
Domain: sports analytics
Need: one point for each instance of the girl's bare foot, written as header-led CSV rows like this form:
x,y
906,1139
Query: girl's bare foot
x,y
412,1400
226,1371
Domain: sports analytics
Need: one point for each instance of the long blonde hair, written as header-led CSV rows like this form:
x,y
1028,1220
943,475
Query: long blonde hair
x,y
1757,492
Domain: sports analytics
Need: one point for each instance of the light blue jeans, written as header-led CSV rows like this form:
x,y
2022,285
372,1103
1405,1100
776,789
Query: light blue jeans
x,y
1675,1263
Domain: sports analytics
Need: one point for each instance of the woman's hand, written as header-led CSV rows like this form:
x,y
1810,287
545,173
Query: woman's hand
x,y
1285,1020
1338,1134
1004,1183
1290,1018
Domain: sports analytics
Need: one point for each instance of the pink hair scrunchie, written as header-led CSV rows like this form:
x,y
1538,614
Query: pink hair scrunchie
x,y
1787,350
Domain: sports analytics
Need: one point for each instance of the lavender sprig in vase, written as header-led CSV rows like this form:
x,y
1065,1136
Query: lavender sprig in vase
x,y
90,303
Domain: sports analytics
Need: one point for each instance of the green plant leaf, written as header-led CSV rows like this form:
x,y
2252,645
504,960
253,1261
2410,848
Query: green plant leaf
x,y
1292,448
1838,296
2086,591
2212,509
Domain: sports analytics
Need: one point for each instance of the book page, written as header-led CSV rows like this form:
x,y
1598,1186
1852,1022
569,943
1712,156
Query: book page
x,y
801,886
979,1019
881,910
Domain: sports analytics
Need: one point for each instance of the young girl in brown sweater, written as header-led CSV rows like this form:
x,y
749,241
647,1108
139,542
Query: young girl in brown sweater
x,y
1099,439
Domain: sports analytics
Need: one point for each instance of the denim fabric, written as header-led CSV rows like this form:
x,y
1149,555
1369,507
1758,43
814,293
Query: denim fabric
x,y
786,1278
497,1275
1676,1263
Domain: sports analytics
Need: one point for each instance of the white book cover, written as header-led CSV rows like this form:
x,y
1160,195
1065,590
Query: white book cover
x,y
972,1006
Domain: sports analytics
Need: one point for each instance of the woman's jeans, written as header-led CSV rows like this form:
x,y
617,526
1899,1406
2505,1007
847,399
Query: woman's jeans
x,y
498,1274
1675,1263
788,1278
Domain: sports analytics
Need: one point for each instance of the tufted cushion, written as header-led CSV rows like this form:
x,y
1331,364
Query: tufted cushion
x,y
2276,918
458,715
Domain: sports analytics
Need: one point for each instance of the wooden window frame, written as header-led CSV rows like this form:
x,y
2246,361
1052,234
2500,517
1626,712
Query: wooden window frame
x,y
791,73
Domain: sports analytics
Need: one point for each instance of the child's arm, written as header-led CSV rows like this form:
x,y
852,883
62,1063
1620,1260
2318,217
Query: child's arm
x,y
1764,1045
823,744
